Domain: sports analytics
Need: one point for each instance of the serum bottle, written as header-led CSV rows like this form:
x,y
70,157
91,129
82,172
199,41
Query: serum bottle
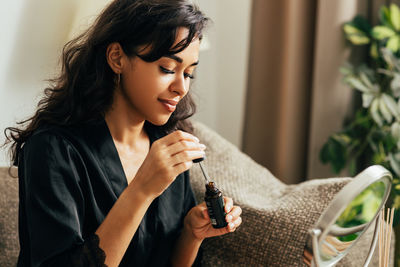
x,y
214,200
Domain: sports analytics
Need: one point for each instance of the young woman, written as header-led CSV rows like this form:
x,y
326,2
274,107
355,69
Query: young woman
x,y
103,164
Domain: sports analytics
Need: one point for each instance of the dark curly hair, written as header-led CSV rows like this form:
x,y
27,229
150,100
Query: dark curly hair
x,y
83,91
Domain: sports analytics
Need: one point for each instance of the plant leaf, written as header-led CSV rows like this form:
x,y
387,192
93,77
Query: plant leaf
x,y
395,130
362,23
365,79
394,164
357,84
393,43
353,167
373,50
382,32
391,104
366,100
398,104
324,153
355,35
384,15
374,112
395,16
396,202
335,153
388,57
342,138
347,69
395,85
384,110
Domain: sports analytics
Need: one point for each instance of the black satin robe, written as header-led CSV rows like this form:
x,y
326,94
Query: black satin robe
x,y
70,177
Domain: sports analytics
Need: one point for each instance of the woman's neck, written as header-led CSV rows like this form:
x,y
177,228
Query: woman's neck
x,y
125,128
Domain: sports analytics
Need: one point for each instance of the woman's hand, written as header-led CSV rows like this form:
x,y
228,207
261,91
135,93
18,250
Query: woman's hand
x,y
168,157
197,221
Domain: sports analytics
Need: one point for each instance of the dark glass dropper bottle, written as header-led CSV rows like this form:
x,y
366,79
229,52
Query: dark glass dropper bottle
x,y
214,200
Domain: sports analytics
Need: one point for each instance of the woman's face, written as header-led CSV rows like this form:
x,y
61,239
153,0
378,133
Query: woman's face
x,y
152,90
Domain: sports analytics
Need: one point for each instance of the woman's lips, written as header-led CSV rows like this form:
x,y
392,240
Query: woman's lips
x,y
170,105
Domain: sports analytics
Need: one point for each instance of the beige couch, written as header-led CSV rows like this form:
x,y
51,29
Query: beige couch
x,y
276,217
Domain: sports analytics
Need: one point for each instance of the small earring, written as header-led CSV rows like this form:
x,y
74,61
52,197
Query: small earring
x,y
118,79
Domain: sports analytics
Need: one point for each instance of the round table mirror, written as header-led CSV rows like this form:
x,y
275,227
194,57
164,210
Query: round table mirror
x,y
348,216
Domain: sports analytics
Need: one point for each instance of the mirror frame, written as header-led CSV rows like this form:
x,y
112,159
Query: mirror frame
x,y
339,203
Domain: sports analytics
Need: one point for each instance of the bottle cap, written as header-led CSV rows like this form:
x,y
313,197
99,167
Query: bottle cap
x,y
199,160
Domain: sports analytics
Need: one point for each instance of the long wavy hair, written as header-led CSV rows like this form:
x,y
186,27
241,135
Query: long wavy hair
x,y
83,91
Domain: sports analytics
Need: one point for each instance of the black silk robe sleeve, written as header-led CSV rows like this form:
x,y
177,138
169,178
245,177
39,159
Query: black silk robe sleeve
x,y
189,203
54,204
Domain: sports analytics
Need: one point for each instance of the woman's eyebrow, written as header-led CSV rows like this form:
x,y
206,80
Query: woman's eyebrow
x,y
180,60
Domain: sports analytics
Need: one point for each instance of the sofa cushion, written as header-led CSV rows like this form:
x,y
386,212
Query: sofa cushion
x,y
9,245
276,217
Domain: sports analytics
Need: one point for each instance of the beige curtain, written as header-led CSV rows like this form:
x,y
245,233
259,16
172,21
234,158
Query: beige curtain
x,y
295,96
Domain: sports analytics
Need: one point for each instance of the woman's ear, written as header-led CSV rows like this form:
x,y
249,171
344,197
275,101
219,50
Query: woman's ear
x,y
114,55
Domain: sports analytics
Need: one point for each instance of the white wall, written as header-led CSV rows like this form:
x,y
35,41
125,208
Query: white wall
x,y
222,72
30,47
36,30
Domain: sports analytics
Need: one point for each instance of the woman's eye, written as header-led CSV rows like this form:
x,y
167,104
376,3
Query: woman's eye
x,y
188,75
165,70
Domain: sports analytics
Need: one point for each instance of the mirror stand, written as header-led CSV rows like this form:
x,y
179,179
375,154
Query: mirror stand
x,y
315,233
349,215
374,240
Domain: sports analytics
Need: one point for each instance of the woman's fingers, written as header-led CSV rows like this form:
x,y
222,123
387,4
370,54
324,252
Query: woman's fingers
x,y
177,136
234,224
182,167
184,145
204,228
228,204
168,157
175,152
235,213
186,156
180,147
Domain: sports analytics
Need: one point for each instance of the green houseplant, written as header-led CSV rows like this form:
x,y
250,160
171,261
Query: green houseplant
x,y
372,135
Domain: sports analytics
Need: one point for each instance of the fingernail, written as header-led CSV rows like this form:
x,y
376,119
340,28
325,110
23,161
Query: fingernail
x,y
229,218
202,146
228,208
231,225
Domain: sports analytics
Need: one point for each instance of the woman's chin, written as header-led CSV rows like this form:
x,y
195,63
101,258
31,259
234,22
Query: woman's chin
x,y
160,121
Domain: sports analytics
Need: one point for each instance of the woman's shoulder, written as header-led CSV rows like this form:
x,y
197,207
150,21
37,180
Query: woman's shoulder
x,y
81,141
49,133
48,146
50,138
74,134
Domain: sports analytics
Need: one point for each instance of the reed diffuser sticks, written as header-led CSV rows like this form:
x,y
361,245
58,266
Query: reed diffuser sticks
x,y
385,236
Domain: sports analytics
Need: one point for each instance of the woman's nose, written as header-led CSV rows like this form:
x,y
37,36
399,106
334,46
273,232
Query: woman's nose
x,y
179,86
